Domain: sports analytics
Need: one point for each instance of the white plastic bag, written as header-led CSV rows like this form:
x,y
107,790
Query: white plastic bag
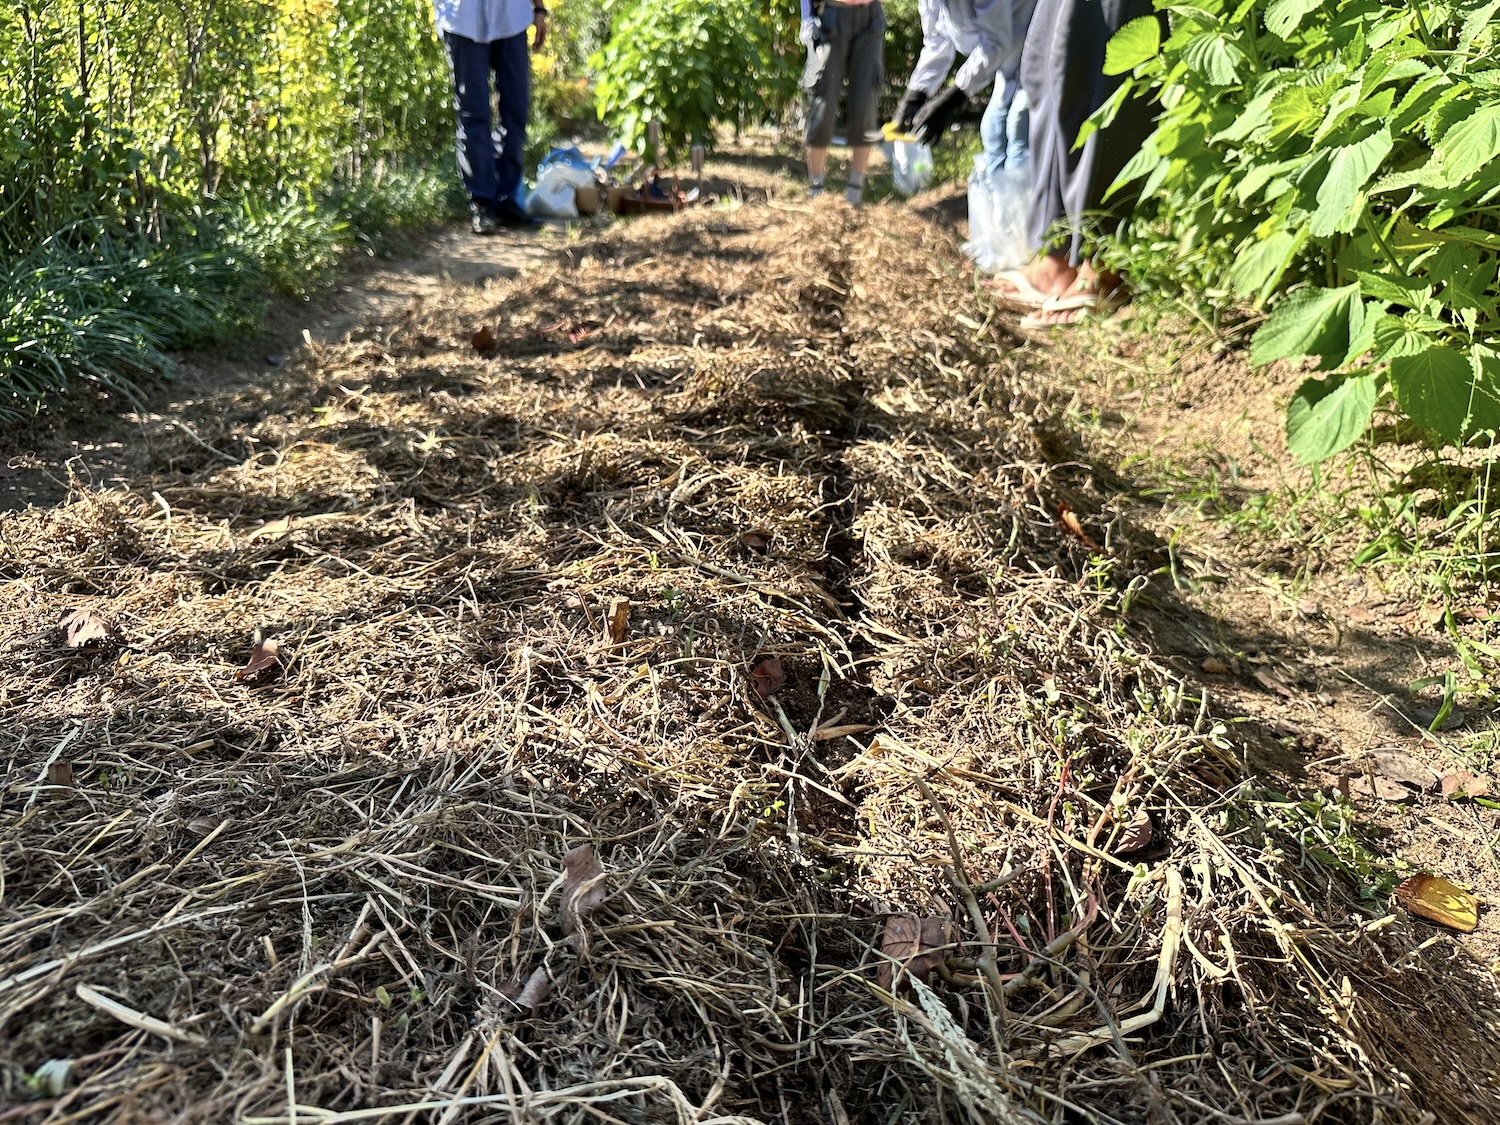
x,y
570,174
553,197
911,165
998,207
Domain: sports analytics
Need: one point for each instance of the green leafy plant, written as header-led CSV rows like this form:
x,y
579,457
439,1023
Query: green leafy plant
x,y
1337,161
690,65
106,314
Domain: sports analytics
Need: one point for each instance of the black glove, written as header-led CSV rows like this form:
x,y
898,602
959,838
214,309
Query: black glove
x,y
906,112
935,117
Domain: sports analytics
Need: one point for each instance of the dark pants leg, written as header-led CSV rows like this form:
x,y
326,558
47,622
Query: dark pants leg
x,y
489,158
511,61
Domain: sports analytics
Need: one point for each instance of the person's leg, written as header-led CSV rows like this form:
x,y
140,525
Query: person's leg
x,y
823,97
994,126
817,164
1049,273
866,77
1089,170
859,160
511,59
470,65
1017,105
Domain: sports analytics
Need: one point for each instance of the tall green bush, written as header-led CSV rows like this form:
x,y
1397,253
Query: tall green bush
x,y
124,110
1337,159
693,64
159,163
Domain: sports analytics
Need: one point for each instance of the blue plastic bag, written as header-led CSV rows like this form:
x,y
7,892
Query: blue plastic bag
x,y
569,156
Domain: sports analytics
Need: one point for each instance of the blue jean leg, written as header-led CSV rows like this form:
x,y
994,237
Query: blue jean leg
x,y
489,152
1005,128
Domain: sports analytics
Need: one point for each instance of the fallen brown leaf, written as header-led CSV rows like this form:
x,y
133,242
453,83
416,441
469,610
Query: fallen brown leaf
x,y
1136,835
1071,521
1214,666
60,773
1271,682
767,677
1462,783
484,339
619,619
1377,786
915,944
756,541
1438,900
537,987
82,628
264,657
582,888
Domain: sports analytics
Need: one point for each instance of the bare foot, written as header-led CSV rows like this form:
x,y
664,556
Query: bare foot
x,y
1052,274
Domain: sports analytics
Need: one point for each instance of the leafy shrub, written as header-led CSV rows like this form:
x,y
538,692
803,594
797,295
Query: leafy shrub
x,y
903,41
379,209
294,243
1341,159
692,64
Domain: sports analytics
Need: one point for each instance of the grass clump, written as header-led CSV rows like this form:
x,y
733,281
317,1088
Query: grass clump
x,y
101,310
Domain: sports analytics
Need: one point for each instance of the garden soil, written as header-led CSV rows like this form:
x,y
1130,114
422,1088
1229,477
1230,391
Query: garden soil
x,y
707,676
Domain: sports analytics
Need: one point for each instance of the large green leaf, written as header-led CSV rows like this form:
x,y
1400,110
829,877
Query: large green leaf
x,y
1296,110
1471,144
1397,336
1418,101
1255,115
1260,174
1260,264
1438,388
1348,171
1283,16
1145,160
1328,415
1135,43
1484,412
1215,56
1309,321
1479,21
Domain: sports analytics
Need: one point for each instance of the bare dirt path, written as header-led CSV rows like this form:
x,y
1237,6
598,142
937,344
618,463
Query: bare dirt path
x,y
738,695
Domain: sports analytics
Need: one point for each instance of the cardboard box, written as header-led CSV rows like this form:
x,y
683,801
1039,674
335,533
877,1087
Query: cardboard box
x,y
588,200
616,195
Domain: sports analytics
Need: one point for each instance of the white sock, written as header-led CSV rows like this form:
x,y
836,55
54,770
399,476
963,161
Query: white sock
x,y
855,193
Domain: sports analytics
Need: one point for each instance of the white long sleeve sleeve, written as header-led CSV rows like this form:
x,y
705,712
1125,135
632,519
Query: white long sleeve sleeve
x,y
938,48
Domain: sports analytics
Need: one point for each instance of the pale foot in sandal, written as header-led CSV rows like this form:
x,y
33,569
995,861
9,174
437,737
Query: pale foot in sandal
x,y
1045,278
1092,295
1014,286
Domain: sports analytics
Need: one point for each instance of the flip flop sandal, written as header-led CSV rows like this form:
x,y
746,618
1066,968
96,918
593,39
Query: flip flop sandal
x,y
1018,289
1087,304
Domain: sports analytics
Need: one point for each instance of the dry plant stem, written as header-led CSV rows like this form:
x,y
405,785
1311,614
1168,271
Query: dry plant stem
x,y
995,992
1165,964
309,982
127,1015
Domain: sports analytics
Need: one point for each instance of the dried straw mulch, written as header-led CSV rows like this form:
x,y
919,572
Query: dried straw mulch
x,y
508,828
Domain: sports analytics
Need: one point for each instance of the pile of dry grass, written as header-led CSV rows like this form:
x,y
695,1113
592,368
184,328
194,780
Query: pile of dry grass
x,y
525,603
